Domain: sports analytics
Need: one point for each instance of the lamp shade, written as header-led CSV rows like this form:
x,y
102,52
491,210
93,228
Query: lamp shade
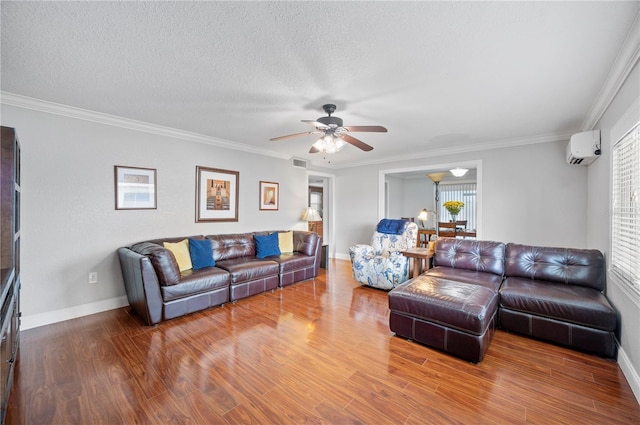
x,y
311,214
437,177
424,215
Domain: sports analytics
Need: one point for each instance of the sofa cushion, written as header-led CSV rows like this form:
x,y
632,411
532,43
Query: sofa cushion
x,y
229,246
569,303
201,254
488,280
469,308
180,250
195,282
296,261
570,266
267,245
248,268
468,254
285,242
164,263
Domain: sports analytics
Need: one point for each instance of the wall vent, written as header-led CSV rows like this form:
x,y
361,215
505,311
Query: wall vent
x,y
299,163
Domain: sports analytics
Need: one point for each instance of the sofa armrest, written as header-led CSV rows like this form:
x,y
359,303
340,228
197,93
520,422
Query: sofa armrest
x,y
308,243
360,250
142,285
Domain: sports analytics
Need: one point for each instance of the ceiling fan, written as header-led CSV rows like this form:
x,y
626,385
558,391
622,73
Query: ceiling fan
x,y
334,133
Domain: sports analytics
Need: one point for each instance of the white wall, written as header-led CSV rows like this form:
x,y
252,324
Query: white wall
x,y
69,226
530,195
418,194
395,197
599,190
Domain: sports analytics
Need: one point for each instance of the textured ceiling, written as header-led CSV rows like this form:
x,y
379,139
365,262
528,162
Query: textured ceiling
x,y
439,75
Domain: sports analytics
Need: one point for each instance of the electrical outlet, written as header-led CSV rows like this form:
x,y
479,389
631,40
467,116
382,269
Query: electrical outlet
x,y
93,277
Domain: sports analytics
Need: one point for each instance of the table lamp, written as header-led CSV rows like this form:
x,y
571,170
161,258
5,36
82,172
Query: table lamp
x,y
310,214
424,216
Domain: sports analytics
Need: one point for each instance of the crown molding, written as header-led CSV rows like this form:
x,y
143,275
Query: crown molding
x,y
116,121
498,144
622,66
40,105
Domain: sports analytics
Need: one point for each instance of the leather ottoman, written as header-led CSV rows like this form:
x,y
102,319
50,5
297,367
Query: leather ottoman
x,y
458,318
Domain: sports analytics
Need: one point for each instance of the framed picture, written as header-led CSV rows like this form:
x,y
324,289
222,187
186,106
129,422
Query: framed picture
x,y
216,194
135,188
269,196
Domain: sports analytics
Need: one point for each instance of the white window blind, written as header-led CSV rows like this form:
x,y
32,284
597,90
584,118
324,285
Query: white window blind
x,y
625,211
465,192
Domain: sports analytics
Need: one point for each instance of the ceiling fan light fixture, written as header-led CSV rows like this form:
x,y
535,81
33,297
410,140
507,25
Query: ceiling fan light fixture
x,y
336,135
459,172
329,144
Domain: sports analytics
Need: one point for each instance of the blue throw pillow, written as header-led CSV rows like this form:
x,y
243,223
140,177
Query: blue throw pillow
x,y
201,253
392,226
267,245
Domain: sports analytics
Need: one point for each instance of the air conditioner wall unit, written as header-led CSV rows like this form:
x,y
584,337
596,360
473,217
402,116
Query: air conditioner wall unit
x,y
583,148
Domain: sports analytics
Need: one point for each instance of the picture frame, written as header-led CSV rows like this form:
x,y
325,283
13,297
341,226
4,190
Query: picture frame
x,y
217,193
269,196
135,188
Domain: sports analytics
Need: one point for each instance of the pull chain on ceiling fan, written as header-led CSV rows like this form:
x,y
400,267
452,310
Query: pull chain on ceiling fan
x,y
334,133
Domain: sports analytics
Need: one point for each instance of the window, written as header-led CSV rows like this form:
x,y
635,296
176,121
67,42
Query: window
x,y
465,192
625,210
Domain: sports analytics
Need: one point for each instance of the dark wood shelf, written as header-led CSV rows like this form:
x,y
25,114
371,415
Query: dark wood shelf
x,y
9,262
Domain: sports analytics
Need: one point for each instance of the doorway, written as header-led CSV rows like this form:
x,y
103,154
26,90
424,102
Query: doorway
x,y
321,196
316,201
392,192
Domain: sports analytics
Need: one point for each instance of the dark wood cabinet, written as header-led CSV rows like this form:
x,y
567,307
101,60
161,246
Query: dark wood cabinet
x,y
9,261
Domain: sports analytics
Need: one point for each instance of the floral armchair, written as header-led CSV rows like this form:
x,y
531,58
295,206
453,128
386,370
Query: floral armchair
x,y
380,264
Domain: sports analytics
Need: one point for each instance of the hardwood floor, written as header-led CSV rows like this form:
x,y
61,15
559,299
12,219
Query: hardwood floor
x,y
315,352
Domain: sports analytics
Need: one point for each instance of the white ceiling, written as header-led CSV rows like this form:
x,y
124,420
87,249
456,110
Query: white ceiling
x,y
441,76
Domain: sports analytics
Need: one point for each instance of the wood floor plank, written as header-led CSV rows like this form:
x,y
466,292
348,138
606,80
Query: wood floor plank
x,y
317,352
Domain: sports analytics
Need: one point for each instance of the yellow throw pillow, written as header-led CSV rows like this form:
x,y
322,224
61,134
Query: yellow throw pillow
x,y
181,252
285,242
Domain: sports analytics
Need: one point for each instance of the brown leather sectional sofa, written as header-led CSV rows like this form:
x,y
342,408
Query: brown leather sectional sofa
x,y
157,290
554,294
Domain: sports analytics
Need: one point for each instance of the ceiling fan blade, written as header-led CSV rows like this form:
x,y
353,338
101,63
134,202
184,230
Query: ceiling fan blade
x,y
317,124
290,136
357,143
313,150
367,128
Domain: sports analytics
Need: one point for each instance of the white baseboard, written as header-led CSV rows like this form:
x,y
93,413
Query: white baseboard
x,y
339,256
42,319
630,373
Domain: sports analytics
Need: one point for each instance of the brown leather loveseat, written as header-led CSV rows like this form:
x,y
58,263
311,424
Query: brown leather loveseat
x,y
157,290
554,294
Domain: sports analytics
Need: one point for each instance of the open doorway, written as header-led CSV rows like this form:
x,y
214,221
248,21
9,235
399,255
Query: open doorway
x,y
321,197
404,192
316,201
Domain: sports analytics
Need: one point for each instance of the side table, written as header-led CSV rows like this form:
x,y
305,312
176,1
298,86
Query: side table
x,y
418,256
